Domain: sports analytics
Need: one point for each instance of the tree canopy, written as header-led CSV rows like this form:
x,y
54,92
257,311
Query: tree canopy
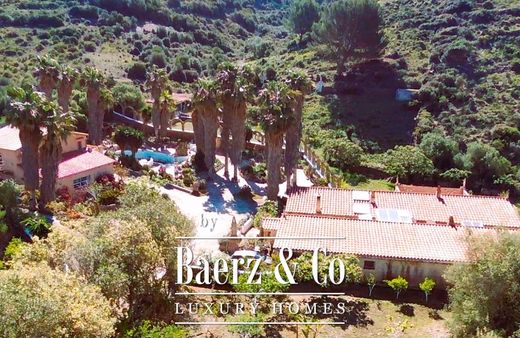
x,y
407,162
38,301
352,28
127,137
485,163
484,295
128,97
130,254
440,149
302,15
342,153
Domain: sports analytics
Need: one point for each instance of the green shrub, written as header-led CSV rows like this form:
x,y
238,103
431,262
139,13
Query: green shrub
x,y
158,58
342,153
137,71
150,330
108,196
398,284
85,12
90,46
457,53
268,209
245,18
37,225
14,247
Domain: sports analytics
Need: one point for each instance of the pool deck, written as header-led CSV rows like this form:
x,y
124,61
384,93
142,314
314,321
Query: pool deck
x,y
216,210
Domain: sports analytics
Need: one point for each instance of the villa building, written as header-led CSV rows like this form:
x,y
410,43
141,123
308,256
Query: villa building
x,y
80,165
412,234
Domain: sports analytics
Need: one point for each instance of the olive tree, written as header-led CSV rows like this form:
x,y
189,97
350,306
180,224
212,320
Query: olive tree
x,y
408,162
130,254
38,301
484,291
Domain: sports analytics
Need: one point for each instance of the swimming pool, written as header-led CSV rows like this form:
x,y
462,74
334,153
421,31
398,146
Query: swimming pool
x,y
157,156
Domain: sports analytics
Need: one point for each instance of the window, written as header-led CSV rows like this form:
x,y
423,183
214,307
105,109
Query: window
x,y
80,145
81,182
369,265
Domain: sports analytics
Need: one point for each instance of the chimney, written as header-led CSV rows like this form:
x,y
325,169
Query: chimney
x,y
318,204
451,222
463,188
373,198
439,192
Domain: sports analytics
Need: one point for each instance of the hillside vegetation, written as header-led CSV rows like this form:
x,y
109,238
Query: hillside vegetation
x,y
462,57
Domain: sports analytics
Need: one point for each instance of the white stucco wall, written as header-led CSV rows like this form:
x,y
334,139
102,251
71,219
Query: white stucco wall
x,y
93,174
73,141
12,163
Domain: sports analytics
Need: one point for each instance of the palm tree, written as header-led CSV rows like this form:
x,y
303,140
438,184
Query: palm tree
x,y
166,105
94,81
157,83
205,120
276,115
301,86
146,115
59,125
47,72
105,104
24,115
235,91
66,79
226,77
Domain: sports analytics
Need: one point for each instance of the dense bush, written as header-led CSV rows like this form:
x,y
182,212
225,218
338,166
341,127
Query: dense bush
x,y
457,53
485,163
245,18
408,162
35,19
484,292
59,304
85,12
440,149
342,154
115,20
259,47
205,8
137,71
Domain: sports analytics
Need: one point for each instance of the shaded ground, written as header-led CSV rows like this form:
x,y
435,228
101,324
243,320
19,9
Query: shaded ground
x,y
364,317
220,205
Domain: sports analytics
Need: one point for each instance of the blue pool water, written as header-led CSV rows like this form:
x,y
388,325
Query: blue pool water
x,y
157,156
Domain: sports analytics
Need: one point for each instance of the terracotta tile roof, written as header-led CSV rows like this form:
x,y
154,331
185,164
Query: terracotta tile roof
x,y
178,98
336,202
182,97
77,162
423,208
9,138
271,223
419,189
374,239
